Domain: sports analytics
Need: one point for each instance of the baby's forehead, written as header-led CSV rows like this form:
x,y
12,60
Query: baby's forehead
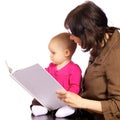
x,y
61,40
57,43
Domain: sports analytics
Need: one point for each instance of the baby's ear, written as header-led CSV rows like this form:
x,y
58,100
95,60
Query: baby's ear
x,y
67,52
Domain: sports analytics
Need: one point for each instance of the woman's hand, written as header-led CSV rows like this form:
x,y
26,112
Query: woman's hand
x,y
74,100
69,98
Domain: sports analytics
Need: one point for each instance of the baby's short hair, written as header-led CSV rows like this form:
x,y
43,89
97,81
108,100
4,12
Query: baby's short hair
x,y
64,40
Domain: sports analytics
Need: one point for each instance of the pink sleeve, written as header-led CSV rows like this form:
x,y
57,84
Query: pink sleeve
x,y
48,69
75,79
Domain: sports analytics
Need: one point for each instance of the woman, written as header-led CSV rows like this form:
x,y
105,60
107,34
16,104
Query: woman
x,y
100,96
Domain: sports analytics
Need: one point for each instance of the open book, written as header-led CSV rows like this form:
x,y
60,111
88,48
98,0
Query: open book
x,y
40,84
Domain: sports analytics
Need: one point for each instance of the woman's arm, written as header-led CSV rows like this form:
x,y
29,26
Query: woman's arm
x,y
74,100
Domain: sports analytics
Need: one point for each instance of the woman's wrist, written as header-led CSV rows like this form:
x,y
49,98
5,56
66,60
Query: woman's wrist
x,y
83,103
91,105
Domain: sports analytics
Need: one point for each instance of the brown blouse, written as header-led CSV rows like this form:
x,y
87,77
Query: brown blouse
x,y
102,80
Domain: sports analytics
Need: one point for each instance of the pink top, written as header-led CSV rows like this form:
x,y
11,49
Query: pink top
x,y
69,76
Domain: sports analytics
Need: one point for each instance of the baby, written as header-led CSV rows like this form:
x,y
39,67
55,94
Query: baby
x,y
64,70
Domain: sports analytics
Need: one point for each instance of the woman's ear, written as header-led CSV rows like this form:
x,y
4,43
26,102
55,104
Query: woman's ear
x,y
67,52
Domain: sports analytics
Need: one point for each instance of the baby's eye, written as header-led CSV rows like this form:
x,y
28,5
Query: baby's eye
x,y
53,53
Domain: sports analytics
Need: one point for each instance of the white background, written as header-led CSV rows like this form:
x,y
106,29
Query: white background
x,y
26,26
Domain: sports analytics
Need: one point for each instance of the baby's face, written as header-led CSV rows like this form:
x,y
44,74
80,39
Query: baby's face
x,y
57,53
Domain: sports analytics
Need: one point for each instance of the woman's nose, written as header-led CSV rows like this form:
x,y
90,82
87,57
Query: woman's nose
x,y
72,37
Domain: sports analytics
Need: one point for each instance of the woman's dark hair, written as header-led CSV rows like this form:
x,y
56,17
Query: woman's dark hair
x,y
88,22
